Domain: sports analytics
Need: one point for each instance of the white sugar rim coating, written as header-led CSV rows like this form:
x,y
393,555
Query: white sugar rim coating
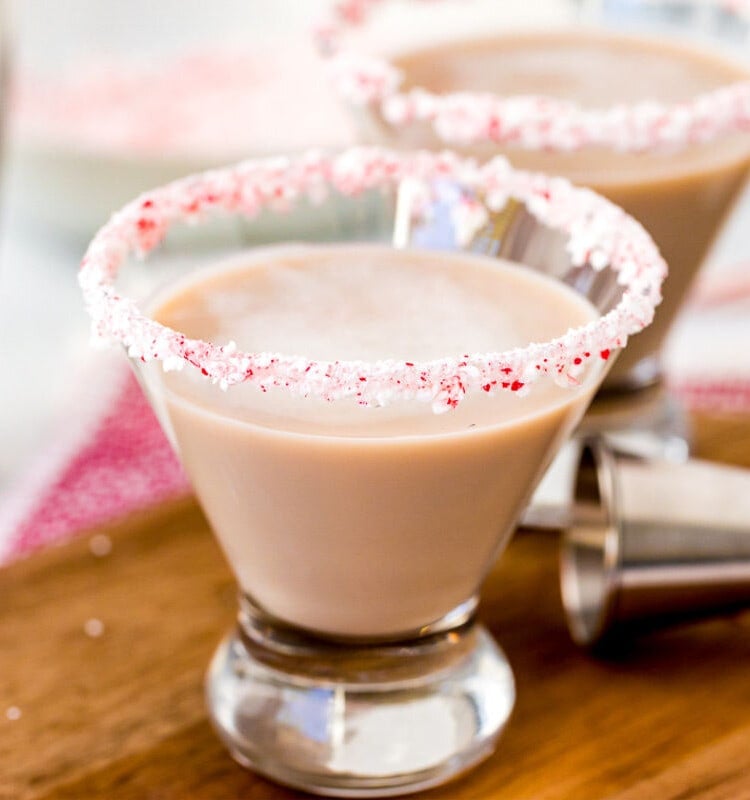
x,y
533,122
600,234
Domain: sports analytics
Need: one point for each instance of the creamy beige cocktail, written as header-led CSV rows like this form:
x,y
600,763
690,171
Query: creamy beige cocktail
x,y
366,522
362,425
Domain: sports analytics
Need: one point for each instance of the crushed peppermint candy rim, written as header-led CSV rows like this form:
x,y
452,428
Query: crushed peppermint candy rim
x,y
600,235
533,122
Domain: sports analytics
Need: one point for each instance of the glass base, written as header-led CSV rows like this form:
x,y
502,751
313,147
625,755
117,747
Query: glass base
x,y
357,720
647,422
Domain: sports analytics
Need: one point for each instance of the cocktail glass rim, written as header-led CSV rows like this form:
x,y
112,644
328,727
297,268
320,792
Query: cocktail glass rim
x,y
599,235
532,122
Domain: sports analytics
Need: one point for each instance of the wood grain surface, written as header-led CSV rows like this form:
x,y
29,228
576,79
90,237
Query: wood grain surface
x,y
121,715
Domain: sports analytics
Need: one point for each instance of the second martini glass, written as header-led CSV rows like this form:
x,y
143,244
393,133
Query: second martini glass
x,y
660,127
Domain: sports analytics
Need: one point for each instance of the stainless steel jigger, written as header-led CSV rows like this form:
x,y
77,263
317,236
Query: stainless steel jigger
x,y
652,542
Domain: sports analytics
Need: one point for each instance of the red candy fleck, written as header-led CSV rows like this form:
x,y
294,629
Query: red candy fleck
x,y
516,385
605,354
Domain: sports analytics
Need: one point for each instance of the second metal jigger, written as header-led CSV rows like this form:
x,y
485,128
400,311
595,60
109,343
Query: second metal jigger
x,y
651,542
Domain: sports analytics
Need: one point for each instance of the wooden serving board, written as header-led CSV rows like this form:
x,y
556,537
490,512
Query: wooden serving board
x,y
121,715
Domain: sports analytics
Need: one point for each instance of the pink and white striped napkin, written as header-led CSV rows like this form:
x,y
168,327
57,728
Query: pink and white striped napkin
x,y
111,458
708,354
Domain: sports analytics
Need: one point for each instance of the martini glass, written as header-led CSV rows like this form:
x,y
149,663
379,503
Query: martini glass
x,y
360,502
601,92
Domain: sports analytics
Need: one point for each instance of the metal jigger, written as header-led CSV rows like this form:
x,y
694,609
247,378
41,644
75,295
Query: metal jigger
x,y
652,542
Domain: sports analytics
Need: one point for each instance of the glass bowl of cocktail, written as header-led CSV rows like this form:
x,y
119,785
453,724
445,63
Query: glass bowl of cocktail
x,y
362,425
658,125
